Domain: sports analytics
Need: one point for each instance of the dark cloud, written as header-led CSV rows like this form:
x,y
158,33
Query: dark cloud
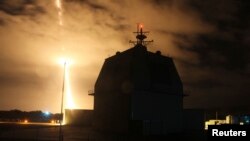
x,y
225,47
220,76
118,27
224,13
21,7
228,54
164,3
217,52
104,15
207,83
90,3
228,16
2,22
215,11
182,40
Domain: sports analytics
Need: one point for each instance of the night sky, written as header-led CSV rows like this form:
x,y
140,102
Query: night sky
x,y
208,40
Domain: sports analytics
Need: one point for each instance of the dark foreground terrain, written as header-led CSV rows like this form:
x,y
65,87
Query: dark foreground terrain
x,y
26,132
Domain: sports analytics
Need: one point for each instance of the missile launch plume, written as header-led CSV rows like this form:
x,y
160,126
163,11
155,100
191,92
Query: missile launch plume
x,y
68,102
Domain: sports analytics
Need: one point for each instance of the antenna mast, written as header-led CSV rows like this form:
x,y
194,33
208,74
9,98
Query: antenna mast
x,y
140,36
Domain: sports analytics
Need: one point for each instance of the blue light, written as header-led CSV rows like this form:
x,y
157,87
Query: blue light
x,y
46,113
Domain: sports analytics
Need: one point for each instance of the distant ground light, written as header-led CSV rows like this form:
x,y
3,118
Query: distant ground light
x,y
46,113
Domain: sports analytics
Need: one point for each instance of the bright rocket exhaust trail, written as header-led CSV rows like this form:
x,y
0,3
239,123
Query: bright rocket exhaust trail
x,y
59,11
68,102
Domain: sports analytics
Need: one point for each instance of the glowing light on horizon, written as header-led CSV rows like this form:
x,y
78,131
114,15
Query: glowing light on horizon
x,y
52,122
46,113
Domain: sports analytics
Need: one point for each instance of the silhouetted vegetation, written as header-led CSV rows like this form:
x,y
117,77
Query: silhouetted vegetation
x,y
33,116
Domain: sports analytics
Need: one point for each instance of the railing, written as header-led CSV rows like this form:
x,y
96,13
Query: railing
x,y
91,92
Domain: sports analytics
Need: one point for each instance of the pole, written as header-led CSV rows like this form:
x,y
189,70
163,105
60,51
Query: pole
x,y
61,115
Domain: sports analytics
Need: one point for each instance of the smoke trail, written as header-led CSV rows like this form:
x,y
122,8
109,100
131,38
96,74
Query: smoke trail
x,y
59,11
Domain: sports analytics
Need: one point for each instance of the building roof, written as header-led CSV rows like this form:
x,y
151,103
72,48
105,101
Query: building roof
x,y
137,69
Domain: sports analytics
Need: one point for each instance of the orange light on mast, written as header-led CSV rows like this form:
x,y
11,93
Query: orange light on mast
x,y
141,26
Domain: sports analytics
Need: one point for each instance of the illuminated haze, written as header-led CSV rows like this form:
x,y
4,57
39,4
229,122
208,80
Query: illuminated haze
x,y
211,60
